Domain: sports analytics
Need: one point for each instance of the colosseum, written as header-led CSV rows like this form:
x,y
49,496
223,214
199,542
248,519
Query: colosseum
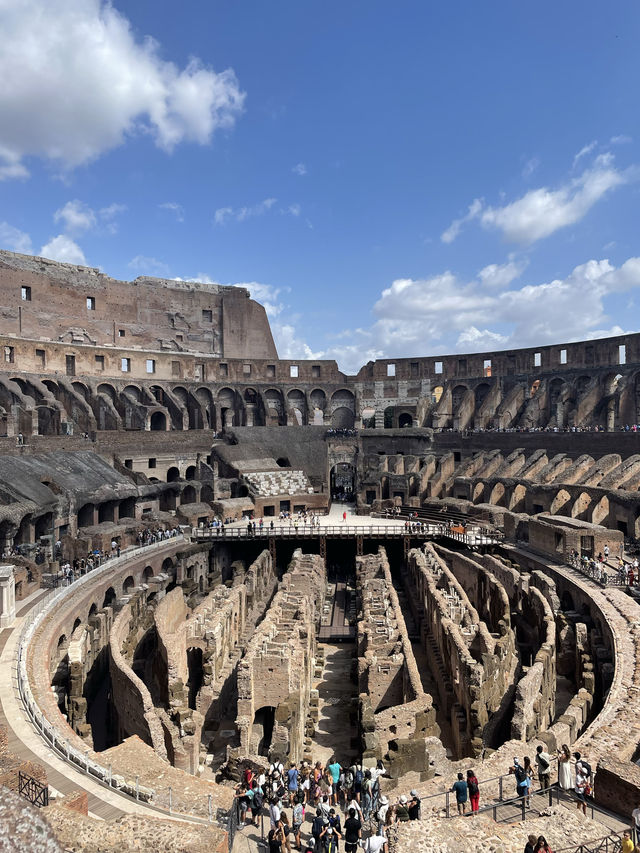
x,y
217,560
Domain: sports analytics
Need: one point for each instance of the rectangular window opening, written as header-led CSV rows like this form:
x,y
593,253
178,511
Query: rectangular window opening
x,y
125,365
25,294
91,303
176,369
151,365
70,363
622,354
315,371
99,362
563,356
152,462
207,315
121,333
128,463
486,367
537,359
293,371
9,355
246,370
271,371
437,367
41,357
391,370
224,370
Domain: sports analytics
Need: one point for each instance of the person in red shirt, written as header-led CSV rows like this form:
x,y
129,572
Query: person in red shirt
x,y
474,790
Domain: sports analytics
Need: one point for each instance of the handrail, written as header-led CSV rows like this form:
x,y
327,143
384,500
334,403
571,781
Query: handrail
x,y
52,737
612,844
306,531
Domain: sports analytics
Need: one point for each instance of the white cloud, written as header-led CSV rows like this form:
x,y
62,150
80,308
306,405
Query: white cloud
x,y
294,209
149,266
240,214
77,82
623,139
14,240
75,217
501,275
299,169
175,208
454,229
530,166
541,212
586,149
63,248
443,314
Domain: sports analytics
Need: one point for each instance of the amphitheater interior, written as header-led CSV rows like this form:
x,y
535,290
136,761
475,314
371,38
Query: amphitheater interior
x,y
214,558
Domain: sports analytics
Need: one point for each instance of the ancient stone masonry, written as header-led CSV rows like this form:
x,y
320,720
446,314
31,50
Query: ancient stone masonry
x,y
534,622
276,672
396,715
474,668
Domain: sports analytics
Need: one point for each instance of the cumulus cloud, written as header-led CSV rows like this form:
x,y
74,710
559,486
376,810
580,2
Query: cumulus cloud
x,y
149,266
541,212
175,208
14,240
240,214
444,313
501,275
63,248
75,216
77,82
299,169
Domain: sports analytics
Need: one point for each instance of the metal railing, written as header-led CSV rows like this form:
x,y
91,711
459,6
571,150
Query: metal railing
x,y
158,799
607,844
32,790
339,531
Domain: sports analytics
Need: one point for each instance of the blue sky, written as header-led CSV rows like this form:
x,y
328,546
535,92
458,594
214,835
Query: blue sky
x,y
389,179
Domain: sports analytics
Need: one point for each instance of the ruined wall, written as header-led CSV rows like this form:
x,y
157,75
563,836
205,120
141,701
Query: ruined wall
x,y
396,715
473,669
275,674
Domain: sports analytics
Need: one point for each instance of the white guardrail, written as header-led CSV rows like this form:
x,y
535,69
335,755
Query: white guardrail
x,y
54,738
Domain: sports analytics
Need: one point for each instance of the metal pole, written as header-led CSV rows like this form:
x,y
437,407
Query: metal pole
x,y
210,810
110,775
448,806
170,799
524,808
500,795
137,787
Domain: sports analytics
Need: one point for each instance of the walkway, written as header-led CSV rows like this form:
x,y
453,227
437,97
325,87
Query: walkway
x,y
336,688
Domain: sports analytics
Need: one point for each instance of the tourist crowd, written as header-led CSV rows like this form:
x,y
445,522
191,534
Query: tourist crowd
x,y
336,803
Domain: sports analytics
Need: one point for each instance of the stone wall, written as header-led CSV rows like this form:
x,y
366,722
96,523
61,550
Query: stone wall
x,y
473,669
275,674
396,715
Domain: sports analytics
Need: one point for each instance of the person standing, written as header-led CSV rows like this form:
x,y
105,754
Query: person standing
x,y
460,789
292,782
352,832
543,763
474,790
530,846
414,806
565,779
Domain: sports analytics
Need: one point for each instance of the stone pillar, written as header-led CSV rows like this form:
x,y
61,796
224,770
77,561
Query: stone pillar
x,y
379,419
7,596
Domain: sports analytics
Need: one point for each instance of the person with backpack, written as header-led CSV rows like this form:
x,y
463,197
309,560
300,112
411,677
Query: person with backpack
x,y
316,827
353,832
358,779
367,791
474,790
543,763
522,780
256,803
298,819
347,784
583,780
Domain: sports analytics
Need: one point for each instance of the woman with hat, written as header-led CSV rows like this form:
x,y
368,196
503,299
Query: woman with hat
x,y
382,813
402,812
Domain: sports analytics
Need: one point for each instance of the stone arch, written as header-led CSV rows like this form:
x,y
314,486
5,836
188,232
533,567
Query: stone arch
x,y
436,393
561,503
517,501
343,397
190,473
76,624
478,493
133,391
206,494
168,566
173,474
457,396
414,486
109,597
147,574
81,388
128,585
497,497
384,488
368,416
86,515
405,420
158,422
226,400
481,393
600,513
343,418
297,406
92,611
108,390
580,508
188,495
534,387
318,400
275,406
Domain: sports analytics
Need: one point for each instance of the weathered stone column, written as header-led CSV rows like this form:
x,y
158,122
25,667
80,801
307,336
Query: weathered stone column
x,y
7,596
